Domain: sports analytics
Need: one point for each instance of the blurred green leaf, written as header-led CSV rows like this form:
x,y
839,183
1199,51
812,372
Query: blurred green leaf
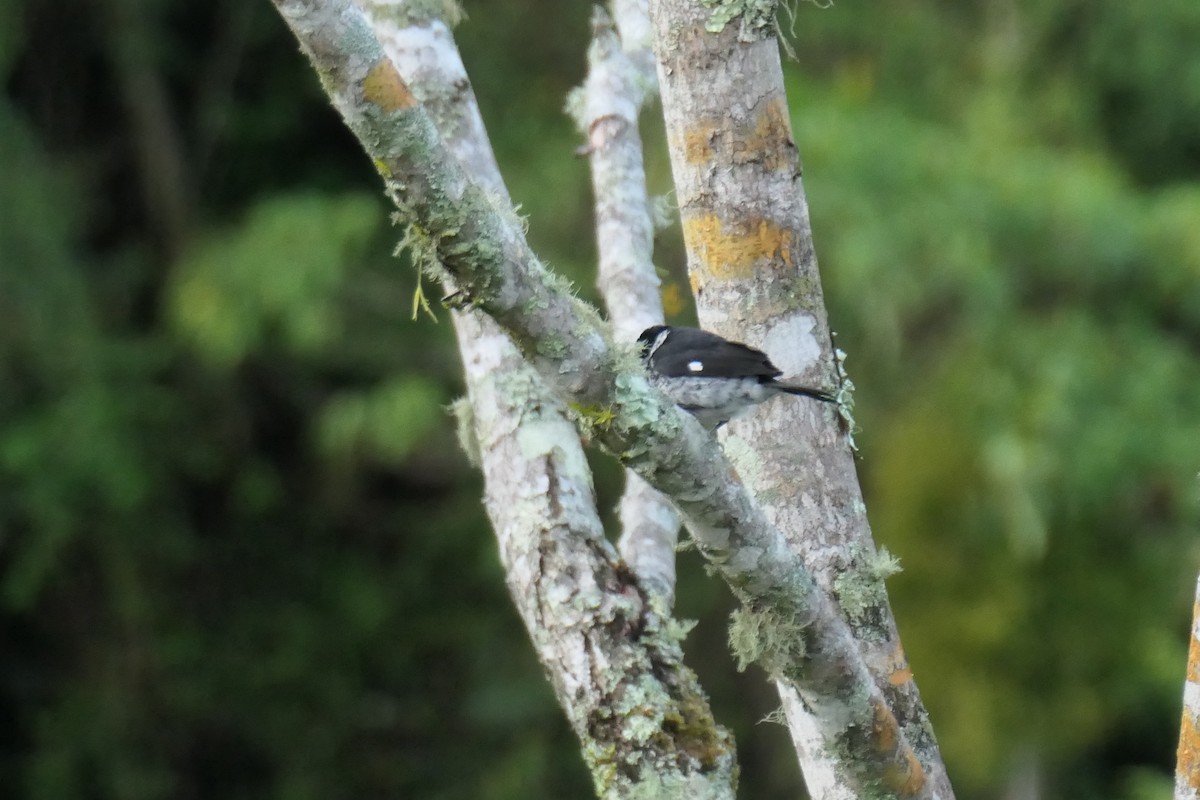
x,y
386,422
277,274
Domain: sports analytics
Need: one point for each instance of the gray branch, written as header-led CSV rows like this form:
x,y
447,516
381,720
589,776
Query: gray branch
x,y
606,110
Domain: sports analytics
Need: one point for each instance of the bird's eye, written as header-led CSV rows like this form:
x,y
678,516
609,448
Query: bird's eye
x,y
696,366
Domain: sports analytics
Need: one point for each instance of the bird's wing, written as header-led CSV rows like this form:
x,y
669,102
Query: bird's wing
x,y
700,354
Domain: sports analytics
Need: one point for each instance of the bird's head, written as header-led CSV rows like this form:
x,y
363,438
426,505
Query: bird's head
x,y
649,338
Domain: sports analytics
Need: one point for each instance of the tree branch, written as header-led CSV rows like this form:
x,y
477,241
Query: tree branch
x,y
752,263
606,110
793,629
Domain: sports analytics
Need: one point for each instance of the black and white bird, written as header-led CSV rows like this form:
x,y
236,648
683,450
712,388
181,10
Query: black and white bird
x,y
710,377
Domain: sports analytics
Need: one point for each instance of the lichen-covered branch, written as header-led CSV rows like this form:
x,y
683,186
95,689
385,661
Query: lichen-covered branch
x,y
615,662
606,110
1187,763
753,268
795,628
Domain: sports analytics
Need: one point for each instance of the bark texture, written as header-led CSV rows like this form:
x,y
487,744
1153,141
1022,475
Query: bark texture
x,y
614,661
787,623
754,274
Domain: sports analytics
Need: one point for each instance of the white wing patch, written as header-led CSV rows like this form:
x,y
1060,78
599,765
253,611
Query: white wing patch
x,y
696,366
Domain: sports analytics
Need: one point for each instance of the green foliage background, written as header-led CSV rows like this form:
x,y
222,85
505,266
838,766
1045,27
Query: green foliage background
x,y
241,556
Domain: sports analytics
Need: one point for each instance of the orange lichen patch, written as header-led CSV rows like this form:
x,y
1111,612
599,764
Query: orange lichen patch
x,y
1187,764
698,143
733,254
906,776
384,87
907,779
762,138
897,658
770,140
901,676
887,730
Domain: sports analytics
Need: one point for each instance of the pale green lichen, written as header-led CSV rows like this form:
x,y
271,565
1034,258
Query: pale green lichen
x,y
522,392
636,410
640,712
845,396
534,304
626,357
772,640
552,346
589,322
645,733
756,17
556,282
632,396
464,427
676,630
860,589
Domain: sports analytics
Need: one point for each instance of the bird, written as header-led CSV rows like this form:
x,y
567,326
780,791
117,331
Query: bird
x,y
711,377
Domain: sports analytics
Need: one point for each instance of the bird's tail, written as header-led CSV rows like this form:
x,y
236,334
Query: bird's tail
x,y
815,394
